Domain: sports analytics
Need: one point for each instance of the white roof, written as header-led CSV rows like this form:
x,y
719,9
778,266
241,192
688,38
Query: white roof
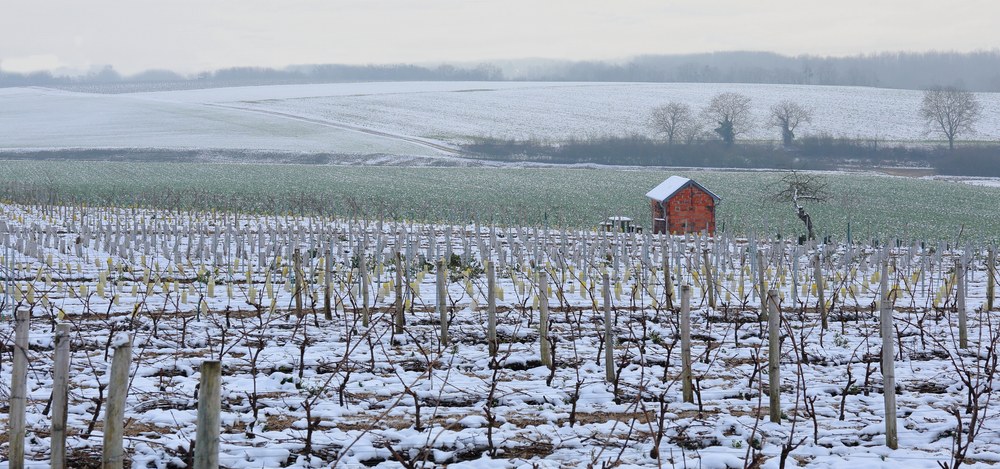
x,y
673,184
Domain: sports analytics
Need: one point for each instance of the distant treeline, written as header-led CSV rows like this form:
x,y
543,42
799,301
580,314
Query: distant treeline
x,y
811,152
974,71
108,80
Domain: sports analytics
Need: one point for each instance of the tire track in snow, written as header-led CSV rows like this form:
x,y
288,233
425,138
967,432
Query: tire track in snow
x,y
340,125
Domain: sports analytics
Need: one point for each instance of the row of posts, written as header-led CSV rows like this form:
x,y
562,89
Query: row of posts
x,y
206,451
208,424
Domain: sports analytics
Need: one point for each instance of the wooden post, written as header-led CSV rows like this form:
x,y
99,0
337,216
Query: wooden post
x,y
963,333
668,283
709,278
60,394
888,357
114,413
19,387
400,318
687,390
991,280
774,354
795,276
299,281
761,285
442,298
328,285
543,317
820,293
491,309
206,448
609,340
363,265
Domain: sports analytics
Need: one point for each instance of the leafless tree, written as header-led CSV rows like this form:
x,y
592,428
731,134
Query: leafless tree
x,y
799,188
671,120
694,131
950,111
787,115
731,112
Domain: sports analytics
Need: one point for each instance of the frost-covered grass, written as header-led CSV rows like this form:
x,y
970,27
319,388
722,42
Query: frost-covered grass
x,y
196,286
876,206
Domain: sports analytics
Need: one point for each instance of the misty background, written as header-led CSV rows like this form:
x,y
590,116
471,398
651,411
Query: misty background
x,y
973,71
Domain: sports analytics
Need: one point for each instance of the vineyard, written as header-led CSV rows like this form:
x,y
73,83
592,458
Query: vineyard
x,y
132,333
875,206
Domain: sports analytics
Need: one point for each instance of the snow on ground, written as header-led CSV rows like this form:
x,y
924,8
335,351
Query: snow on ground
x,y
53,119
414,118
558,111
282,92
985,182
359,394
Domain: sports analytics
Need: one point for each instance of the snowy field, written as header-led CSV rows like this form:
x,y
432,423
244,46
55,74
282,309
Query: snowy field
x,y
38,119
985,182
345,389
424,118
559,111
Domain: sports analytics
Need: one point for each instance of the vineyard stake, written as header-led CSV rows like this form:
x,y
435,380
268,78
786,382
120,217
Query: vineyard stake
x,y
442,297
206,449
609,342
774,354
400,319
114,414
299,282
363,265
687,389
888,357
60,393
543,317
963,333
820,291
19,388
991,278
668,284
709,279
491,308
761,285
795,276
328,285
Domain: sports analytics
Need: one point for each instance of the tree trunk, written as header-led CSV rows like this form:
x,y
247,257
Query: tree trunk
x,y
807,220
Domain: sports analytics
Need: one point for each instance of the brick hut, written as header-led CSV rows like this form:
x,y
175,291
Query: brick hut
x,y
681,205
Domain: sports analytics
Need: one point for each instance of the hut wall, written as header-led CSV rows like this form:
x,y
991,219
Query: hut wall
x,y
690,210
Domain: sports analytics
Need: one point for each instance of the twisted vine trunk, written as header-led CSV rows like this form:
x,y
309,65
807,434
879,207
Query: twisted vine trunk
x,y
807,220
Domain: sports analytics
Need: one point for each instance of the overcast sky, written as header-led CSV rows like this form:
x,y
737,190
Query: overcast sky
x,y
194,35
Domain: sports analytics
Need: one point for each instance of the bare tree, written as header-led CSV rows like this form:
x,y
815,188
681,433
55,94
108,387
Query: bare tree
x,y
951,111
731,111
787,115
671,120
799,188
694,131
